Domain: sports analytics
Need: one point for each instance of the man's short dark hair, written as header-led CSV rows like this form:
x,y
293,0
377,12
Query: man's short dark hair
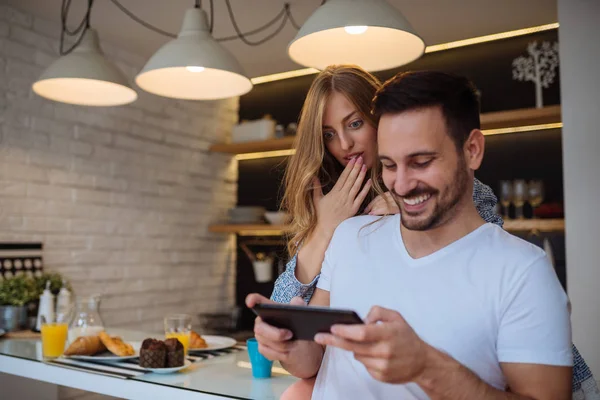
x,y
455,95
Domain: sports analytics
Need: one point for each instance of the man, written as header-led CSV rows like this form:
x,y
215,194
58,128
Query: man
x,y
454,308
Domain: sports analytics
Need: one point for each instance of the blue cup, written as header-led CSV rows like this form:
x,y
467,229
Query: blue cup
x,y
261,367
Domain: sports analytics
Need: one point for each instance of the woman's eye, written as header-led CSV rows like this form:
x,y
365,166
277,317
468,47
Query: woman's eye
x,y
356,124
328,135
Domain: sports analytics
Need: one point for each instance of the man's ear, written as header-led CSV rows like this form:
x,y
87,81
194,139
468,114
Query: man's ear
x,y
474,148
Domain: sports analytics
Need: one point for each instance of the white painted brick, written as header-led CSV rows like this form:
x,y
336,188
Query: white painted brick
x,y
21,206
52,160
87,226
30,38
92,135
18,189
121,197
67,178
16,50
43,59
21,69
85,166
22,172
110,183
13,155
43,224
46,28
49,192
187,141
14,16
20,86
146,132
52,127
107,243
8,223
3,29
161,122
66,242
91,196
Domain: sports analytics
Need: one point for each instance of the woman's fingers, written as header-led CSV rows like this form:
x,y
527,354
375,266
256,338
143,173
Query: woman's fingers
x,y
362,195
344,176
357,183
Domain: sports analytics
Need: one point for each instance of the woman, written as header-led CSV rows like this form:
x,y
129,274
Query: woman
x,y
325,184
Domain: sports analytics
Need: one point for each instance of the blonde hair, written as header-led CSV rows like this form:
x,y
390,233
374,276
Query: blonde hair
x,y
312,158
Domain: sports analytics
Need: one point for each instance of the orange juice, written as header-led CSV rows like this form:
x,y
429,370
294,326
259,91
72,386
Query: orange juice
x,y
54,337
183,337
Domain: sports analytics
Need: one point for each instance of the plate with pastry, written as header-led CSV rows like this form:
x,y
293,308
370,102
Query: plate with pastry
x,y
101,348
210,342
163,356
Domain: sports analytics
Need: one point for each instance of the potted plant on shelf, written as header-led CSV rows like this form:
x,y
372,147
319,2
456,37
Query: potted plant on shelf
x,y
15,295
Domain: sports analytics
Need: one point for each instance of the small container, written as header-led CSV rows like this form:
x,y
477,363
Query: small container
x,y
46,307
63,301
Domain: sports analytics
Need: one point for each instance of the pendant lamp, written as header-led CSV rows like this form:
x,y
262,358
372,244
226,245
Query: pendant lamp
x,y
85,77
194,66
370,33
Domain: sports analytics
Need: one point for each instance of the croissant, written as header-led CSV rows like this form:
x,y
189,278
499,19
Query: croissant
x,y
197,342
85,346
116,345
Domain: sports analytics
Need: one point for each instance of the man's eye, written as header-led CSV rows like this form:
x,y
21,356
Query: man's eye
x,y
388,166
356,124
422,164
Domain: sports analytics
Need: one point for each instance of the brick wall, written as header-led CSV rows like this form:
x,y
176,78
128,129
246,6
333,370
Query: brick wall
x,y
121,197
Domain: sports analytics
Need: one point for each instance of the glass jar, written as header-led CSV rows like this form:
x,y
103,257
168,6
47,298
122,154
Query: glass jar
x,y
86,318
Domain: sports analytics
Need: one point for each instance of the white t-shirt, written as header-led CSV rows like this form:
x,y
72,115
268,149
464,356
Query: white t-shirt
x,y
487,298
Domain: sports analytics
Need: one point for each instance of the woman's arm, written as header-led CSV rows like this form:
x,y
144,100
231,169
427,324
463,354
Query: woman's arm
x,y
288,287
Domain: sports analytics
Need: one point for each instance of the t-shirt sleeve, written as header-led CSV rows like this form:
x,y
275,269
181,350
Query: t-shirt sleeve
x,y
535,325
324,282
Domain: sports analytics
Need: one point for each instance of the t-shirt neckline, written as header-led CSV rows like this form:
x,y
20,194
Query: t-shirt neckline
x,y
428,259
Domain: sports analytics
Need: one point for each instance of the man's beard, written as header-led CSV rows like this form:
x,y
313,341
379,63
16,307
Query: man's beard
x,y
445,206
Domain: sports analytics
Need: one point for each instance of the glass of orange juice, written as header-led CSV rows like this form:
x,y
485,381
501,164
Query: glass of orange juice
x,y
54,337
179,326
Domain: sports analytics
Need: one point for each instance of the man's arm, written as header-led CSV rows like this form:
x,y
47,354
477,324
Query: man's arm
x,y
305,360
445,378
392,352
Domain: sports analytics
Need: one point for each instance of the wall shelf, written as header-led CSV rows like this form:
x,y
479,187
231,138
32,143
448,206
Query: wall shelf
x,y
494,120
511,225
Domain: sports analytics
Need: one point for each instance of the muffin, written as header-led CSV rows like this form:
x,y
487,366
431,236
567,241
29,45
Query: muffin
x,y
175,354
153,354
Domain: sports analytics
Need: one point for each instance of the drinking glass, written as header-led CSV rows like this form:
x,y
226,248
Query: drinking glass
x,y
520,196
536,194
54,336
506,196
179,326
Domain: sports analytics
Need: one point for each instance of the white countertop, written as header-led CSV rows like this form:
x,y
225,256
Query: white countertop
x,y
223,377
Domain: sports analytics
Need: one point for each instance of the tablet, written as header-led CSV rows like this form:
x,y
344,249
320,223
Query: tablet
x,y
305,321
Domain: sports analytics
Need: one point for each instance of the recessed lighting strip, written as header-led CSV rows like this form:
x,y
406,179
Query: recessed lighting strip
x,y
265,154
524,128
429,49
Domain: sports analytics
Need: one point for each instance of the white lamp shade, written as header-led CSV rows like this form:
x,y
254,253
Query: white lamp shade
x,y
335,34
194,66
85,77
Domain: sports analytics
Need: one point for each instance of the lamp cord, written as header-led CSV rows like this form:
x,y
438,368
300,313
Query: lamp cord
x,y
80,31
285,13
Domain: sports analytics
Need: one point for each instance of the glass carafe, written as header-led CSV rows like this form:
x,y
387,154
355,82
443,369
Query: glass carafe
x,y
86,317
